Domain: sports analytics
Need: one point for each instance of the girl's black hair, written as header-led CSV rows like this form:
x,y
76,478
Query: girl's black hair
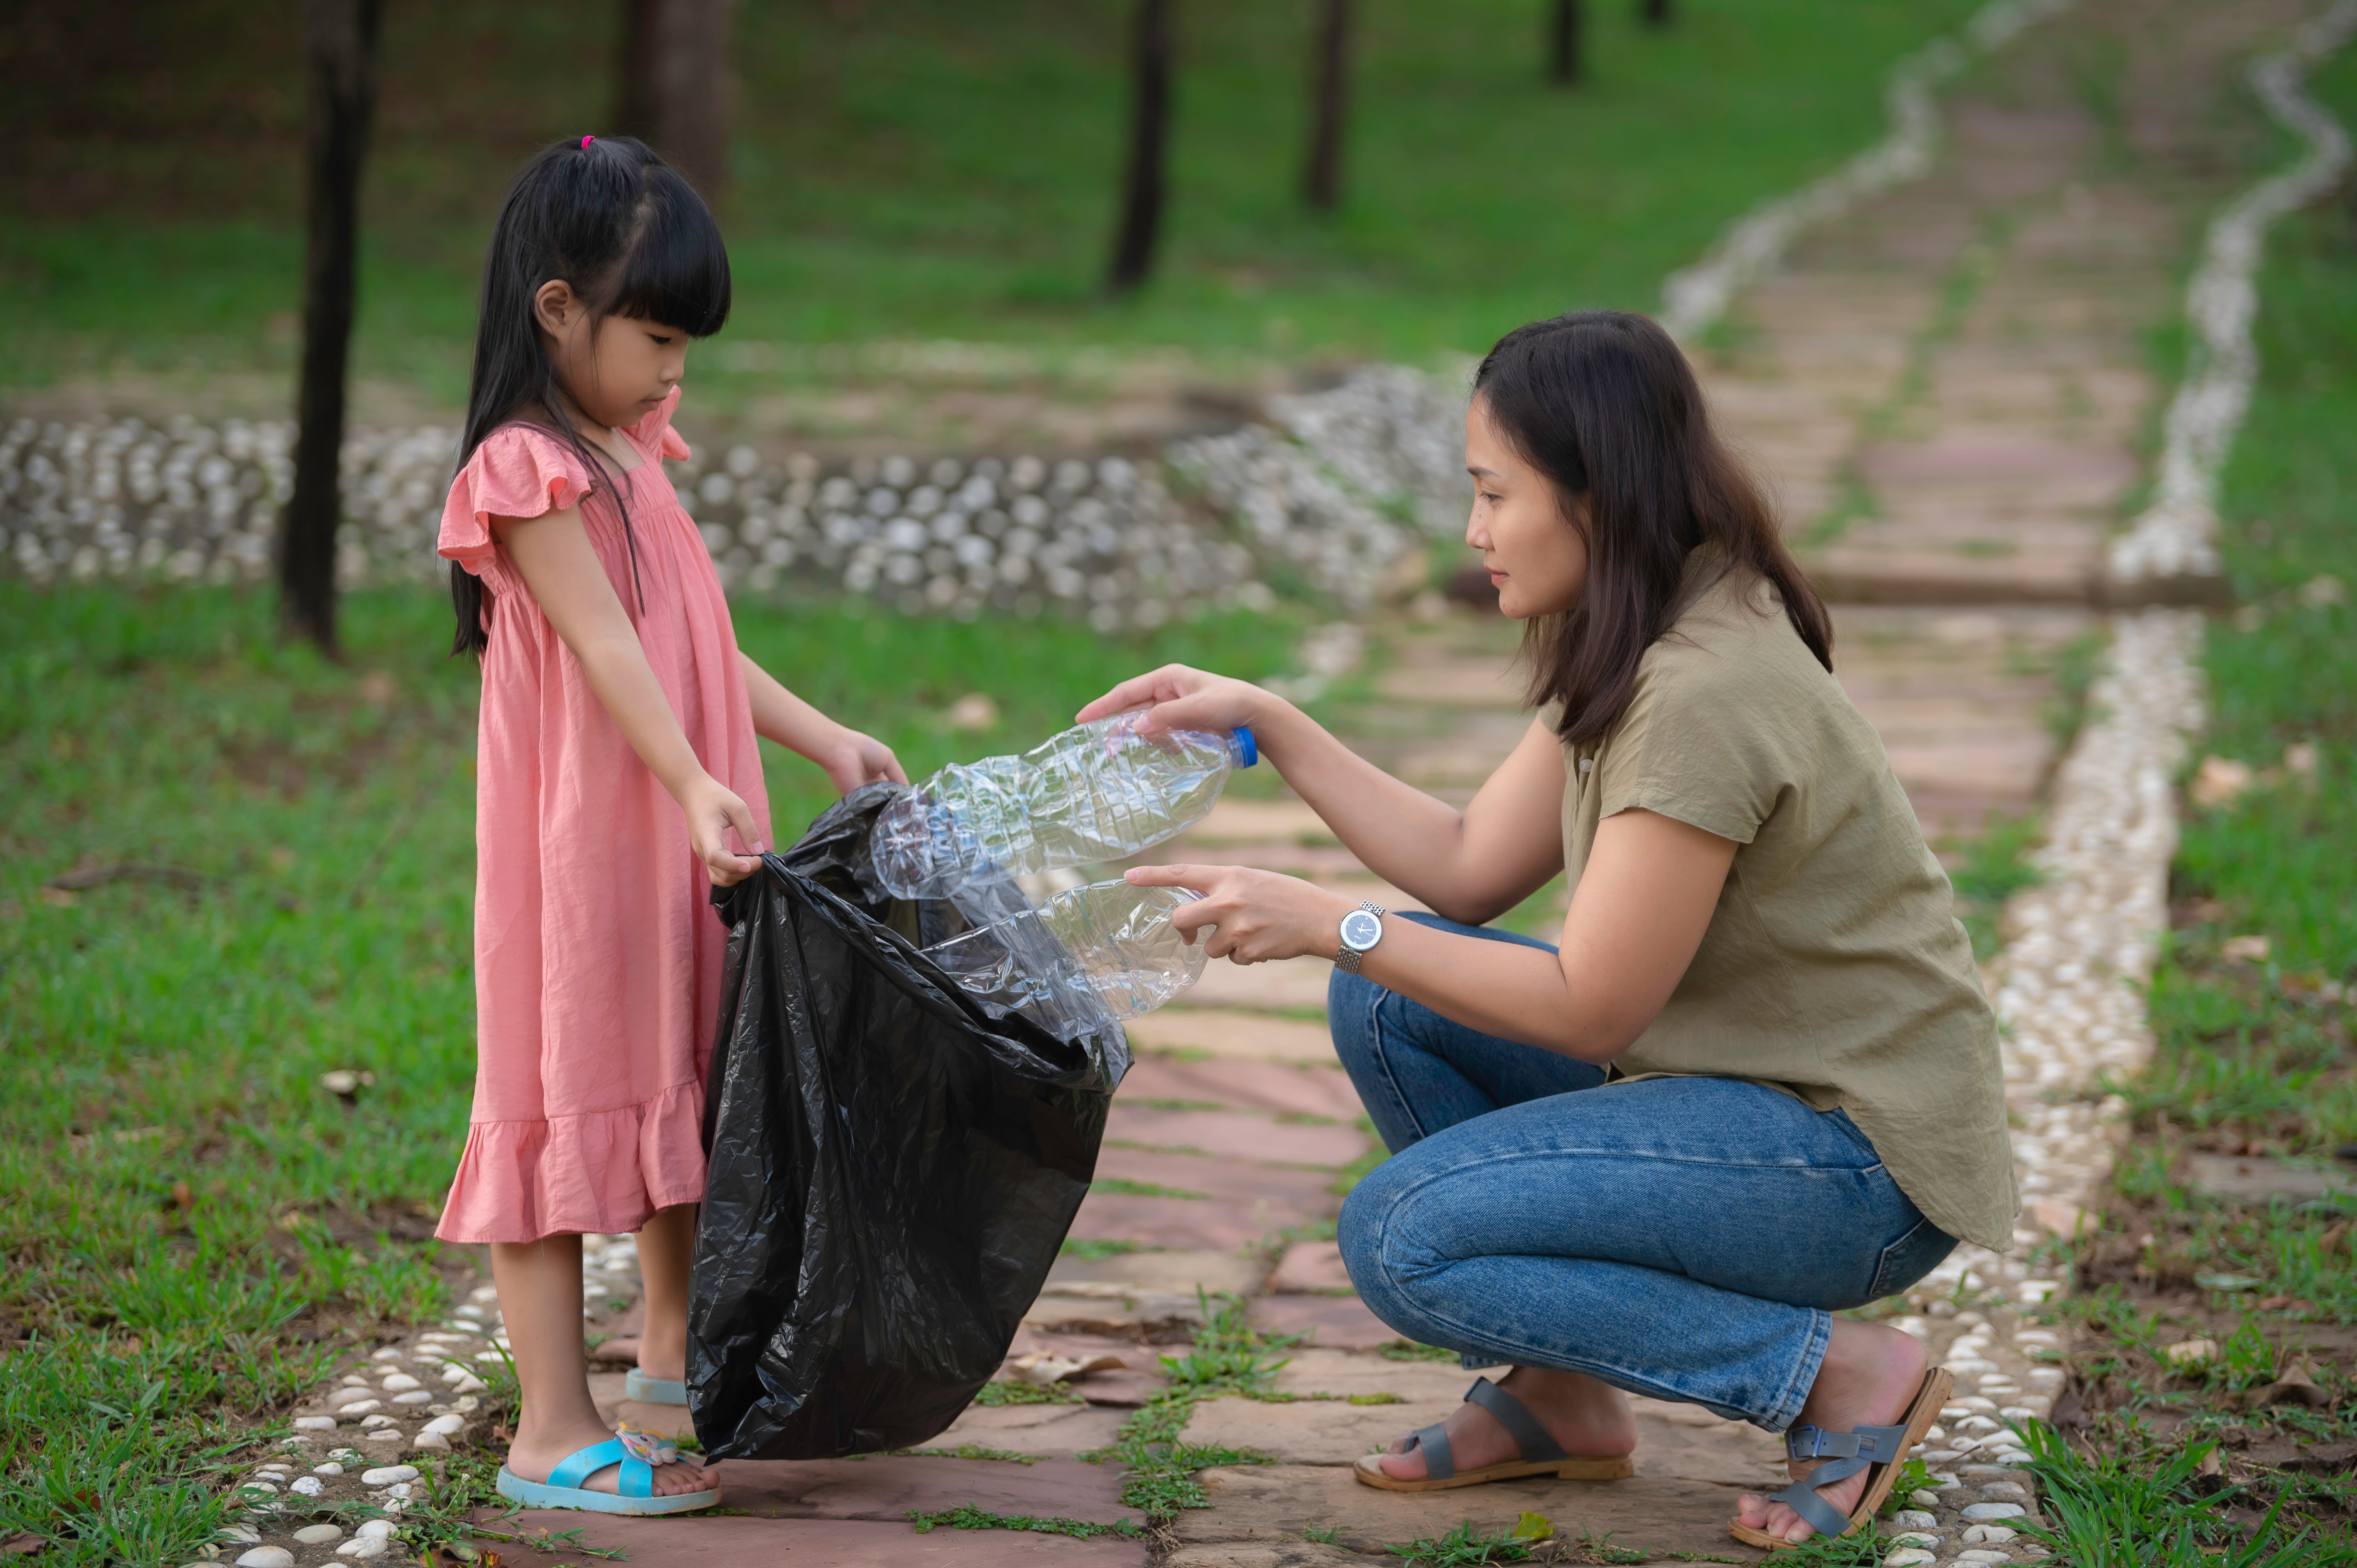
x,y
632,237
1602,402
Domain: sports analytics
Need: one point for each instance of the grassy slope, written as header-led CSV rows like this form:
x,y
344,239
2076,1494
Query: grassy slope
x,y
936,170
183,1210
2253,1057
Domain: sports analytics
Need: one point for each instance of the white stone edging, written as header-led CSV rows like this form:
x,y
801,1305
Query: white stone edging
x,y
1694,297
2072,979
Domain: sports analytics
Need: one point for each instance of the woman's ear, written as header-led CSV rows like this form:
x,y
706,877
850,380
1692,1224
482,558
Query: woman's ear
x,y
555,308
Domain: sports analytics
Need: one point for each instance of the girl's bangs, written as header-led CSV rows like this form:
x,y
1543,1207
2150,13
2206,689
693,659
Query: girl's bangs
x,y
677,272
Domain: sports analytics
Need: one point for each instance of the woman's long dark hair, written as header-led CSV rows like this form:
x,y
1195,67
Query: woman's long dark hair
x,y
631,236
1602,402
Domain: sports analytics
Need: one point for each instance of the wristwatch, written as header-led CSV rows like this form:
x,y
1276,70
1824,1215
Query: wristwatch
x,y
1362,927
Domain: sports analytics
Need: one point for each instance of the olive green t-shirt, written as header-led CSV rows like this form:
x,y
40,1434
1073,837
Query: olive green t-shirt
x,y
1834,967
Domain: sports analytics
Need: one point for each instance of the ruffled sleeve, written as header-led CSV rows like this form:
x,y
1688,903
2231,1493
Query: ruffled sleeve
x,y
516,472
654,433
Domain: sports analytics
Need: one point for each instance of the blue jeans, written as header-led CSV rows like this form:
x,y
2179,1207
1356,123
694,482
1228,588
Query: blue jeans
x,y
1683,1237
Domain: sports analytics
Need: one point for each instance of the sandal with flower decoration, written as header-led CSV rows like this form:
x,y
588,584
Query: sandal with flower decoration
x,y
638,1453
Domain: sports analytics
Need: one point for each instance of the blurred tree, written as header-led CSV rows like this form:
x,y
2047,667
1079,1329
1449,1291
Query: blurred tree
x,y
1149,135
1330,72
1657,13
677,92
340,68
1563,43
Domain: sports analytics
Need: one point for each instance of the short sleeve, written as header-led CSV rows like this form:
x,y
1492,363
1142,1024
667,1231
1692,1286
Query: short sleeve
x,y
654,433
1708,737
516,472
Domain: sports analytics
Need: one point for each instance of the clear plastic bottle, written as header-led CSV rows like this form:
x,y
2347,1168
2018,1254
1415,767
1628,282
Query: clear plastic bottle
x,y
1085,958
1097,792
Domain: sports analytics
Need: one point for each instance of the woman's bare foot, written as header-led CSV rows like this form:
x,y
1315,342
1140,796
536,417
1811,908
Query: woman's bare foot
x,y
1591,1419
1868,1377
533,1455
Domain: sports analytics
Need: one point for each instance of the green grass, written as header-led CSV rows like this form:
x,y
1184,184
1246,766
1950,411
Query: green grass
x,y
1993,865
2155,1507
931,170
194,1226
1229,1357
968,1517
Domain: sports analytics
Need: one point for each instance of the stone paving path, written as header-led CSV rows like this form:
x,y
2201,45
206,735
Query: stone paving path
x,y
1948,386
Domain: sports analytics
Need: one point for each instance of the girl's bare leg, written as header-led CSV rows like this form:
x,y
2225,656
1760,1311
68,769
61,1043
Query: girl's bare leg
x,y
540,1297
666,1247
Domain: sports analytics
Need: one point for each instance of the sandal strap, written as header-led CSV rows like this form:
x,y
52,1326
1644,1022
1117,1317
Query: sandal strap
x,y
1516,1418
1845,1454
1439,1463
638,1480
1875,1444
1802,1498
582,1464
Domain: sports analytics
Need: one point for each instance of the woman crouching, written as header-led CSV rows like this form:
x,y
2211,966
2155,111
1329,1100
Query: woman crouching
x,y
1755,1083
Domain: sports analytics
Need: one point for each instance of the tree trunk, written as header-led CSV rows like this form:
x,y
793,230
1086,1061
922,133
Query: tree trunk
x,y
1149,136
676,92
1563,40
340,60
1323,182
1657,13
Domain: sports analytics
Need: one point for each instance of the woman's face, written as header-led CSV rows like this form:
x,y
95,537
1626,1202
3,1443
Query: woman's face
x,y
1536,557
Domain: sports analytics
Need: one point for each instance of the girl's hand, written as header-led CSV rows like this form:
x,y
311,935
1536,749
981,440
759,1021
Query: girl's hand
x,y
712,810
852,759
1260,914
1181,698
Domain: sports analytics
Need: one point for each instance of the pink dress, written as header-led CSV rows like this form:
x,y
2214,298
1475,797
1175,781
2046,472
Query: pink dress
x,y
597,953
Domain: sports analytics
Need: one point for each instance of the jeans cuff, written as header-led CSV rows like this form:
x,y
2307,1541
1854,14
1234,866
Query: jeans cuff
x,y
1788,1405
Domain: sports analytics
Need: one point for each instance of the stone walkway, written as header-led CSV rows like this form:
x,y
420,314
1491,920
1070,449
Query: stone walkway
x,y
1948,386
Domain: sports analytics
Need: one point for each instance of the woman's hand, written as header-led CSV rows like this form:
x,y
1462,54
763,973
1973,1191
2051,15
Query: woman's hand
x,y
712,810
852,759
1181,698
1260,914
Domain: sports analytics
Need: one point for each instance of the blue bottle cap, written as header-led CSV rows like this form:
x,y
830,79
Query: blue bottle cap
x,y
1246,749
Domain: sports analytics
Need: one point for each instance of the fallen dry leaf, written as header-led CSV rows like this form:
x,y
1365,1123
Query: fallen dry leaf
x,y
2218,781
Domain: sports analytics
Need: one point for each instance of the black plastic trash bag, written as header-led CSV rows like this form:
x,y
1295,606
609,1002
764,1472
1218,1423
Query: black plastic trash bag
x,y
894,1162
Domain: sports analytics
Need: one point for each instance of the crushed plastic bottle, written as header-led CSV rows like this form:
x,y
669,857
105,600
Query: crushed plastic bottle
x,y
1088,956
1097,792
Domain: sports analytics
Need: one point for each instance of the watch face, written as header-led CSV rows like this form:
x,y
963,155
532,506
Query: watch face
x,y
1361,931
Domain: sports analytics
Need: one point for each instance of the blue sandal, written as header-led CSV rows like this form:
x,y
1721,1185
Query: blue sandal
x,y
1881,1448
638,1453
643,1390
1541,1455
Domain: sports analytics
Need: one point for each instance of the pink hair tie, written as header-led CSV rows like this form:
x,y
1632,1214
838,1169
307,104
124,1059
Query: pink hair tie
x,y
586,141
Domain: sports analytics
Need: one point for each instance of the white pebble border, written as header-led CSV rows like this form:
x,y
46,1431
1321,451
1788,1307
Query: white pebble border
x,y
1695,296
1337,491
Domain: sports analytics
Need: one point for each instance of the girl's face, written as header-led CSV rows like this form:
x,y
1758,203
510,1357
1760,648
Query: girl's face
x,y
1537,556
616,371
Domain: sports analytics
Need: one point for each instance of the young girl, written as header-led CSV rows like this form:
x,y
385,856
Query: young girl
x,y
616,760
